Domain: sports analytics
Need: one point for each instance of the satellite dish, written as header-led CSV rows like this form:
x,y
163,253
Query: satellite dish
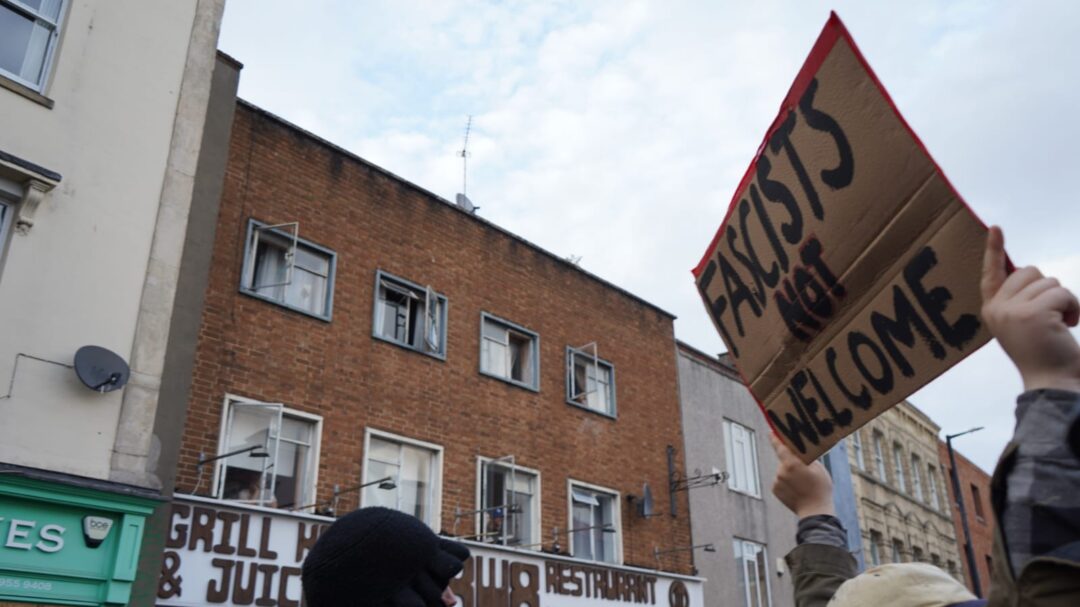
x,y
466,204
100,369
645,504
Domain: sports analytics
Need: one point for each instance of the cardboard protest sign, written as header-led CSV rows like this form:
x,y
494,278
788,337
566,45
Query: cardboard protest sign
x,y
845,275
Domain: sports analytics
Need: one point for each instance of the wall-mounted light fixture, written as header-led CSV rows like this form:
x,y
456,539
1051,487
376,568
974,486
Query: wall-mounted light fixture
x,y
386,483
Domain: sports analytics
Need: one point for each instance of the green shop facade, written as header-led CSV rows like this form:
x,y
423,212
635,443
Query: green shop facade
x,y
62,544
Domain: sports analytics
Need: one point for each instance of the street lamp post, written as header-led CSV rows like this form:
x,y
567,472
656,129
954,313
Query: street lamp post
x,y
969,551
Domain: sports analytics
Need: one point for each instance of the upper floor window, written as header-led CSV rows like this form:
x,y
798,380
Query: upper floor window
x,y
28,33
276,454
740,448
413,468
879,455
509,504
931,480
875,548
509,352
916,477
281,267
410,315
753,573
976,501
590,382
897,551
594,528
856,447
898,465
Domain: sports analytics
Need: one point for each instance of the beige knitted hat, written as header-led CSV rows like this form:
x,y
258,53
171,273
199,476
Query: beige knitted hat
x,y
901,585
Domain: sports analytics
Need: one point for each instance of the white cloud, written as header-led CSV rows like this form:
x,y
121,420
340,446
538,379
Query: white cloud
x,y
618,130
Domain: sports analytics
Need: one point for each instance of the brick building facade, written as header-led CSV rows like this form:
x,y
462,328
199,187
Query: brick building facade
x,y
975,484
506,394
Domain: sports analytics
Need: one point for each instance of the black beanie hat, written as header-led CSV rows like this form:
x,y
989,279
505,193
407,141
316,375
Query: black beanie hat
x,y
377,557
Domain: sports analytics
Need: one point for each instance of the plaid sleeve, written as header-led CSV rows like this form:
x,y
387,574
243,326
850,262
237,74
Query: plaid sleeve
x,y
821,529
1041,513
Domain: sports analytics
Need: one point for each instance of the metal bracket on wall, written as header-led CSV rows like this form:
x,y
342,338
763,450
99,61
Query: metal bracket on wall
x,y
677,482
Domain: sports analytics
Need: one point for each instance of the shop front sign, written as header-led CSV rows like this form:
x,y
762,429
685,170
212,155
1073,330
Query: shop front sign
x,y
225,554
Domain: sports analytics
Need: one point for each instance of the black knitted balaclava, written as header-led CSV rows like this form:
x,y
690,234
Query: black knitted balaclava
x,y
377,557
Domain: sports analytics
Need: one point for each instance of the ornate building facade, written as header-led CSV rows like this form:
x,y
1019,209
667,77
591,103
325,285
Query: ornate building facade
x,y
899,483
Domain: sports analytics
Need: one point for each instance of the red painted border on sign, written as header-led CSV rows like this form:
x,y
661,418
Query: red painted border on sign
x,y
834,30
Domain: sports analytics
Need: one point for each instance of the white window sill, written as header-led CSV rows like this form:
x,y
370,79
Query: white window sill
x,y
21,89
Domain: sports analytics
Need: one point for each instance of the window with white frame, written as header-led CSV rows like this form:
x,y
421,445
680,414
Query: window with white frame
x,y
898,465
931,480
594,528
879,455
752,571
856,447
740,449
590,382
509,504
281,267
29,30
278,454
916,477
415,470
509,352
410,315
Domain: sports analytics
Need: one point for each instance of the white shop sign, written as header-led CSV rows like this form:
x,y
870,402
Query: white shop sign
x,y
221,554
217,553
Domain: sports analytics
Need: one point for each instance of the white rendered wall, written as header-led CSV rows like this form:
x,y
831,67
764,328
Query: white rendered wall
x,y
77,277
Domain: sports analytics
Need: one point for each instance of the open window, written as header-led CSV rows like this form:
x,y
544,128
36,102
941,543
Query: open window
x,y
509,503
509,352
594,523
281,267
410,315
276,455
590,380
414,469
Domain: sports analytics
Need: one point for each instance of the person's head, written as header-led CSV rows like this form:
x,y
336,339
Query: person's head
x,y
903,585
377,557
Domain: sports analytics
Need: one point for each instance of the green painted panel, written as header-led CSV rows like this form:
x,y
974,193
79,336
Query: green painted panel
x,y
37,537
42,589
68,545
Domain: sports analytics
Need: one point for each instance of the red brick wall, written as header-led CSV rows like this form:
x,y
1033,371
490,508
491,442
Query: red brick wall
x,y
259,350
982,528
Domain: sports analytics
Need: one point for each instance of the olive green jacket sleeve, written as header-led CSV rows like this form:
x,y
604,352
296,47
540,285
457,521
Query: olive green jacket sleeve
x,y
817,571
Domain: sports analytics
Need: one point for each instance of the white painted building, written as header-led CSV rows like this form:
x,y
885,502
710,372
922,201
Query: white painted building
x,y
102,111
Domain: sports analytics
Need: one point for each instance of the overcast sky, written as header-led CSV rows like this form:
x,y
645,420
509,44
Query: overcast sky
x,y
618,131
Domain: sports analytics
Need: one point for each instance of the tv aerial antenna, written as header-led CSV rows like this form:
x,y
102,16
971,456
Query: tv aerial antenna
x,y
464,153
461,199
